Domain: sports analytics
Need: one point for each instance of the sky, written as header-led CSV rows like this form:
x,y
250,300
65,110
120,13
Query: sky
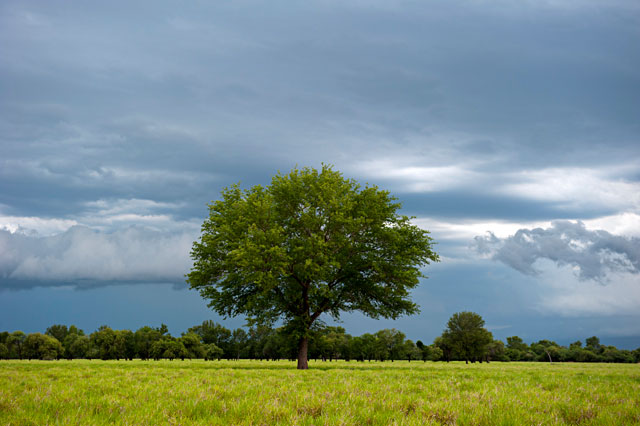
x,y
509,129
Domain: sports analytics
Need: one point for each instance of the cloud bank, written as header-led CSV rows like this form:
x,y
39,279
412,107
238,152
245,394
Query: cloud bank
x,y
591,254
83,257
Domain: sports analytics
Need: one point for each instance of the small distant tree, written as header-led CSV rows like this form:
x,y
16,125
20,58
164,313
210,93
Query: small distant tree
x,y
257,339
345,347
516,343
424,350
467,336
4,351
435,353
42,346
495,351
238,343
193,345
58,331
369,346
143,340
124,344
445,346
212,352
390,344
14,343
212,332
168,348
593,344
545,350
79,348
310,243
104,340
163,329
410,351
72,335
576,345
516,349
355,348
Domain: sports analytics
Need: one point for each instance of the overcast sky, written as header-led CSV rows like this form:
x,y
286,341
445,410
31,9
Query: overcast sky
x,y
510,129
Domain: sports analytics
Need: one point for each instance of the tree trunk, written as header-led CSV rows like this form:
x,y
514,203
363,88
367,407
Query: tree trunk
x,y
303,363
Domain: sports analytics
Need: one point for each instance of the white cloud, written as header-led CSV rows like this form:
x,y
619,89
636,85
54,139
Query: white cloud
x,y
576,187
561,293
106,214
627,224
620,224
406,175
84,255
593,255
467,229
565,188
41,226
110,241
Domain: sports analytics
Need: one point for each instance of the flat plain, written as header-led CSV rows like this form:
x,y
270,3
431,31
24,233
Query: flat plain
x,y
83,392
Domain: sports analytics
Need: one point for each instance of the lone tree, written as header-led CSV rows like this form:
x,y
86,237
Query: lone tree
x,y
466,336
310,243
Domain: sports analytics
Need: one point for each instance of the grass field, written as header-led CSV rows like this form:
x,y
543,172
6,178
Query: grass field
x,y
337,393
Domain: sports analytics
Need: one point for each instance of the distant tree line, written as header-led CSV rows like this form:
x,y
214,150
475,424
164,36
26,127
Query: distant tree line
x,y
465,339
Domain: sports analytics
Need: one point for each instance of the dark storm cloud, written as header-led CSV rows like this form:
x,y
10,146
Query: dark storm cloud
x,y
593,253
226,81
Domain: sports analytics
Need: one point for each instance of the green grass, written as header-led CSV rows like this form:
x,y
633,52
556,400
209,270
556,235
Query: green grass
x,y
336,393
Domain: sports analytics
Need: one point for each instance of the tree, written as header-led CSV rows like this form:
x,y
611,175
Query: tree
x,y
445,347
103,340
593,344
516,343
424,350
435,353
238,343
367,347
516,348
212,352
310,243
72,335
467,336
389,344
168,348
42,346
58,331
257,339
576,345
211,332
411,351
193,345
79,348
495,351
143,340
545,350
14,344
4,351
124,344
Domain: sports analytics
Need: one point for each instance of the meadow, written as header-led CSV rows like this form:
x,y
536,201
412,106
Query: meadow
x,y
83,392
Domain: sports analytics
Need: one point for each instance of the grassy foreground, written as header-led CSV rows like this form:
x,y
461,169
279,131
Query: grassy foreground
x,y
337,393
